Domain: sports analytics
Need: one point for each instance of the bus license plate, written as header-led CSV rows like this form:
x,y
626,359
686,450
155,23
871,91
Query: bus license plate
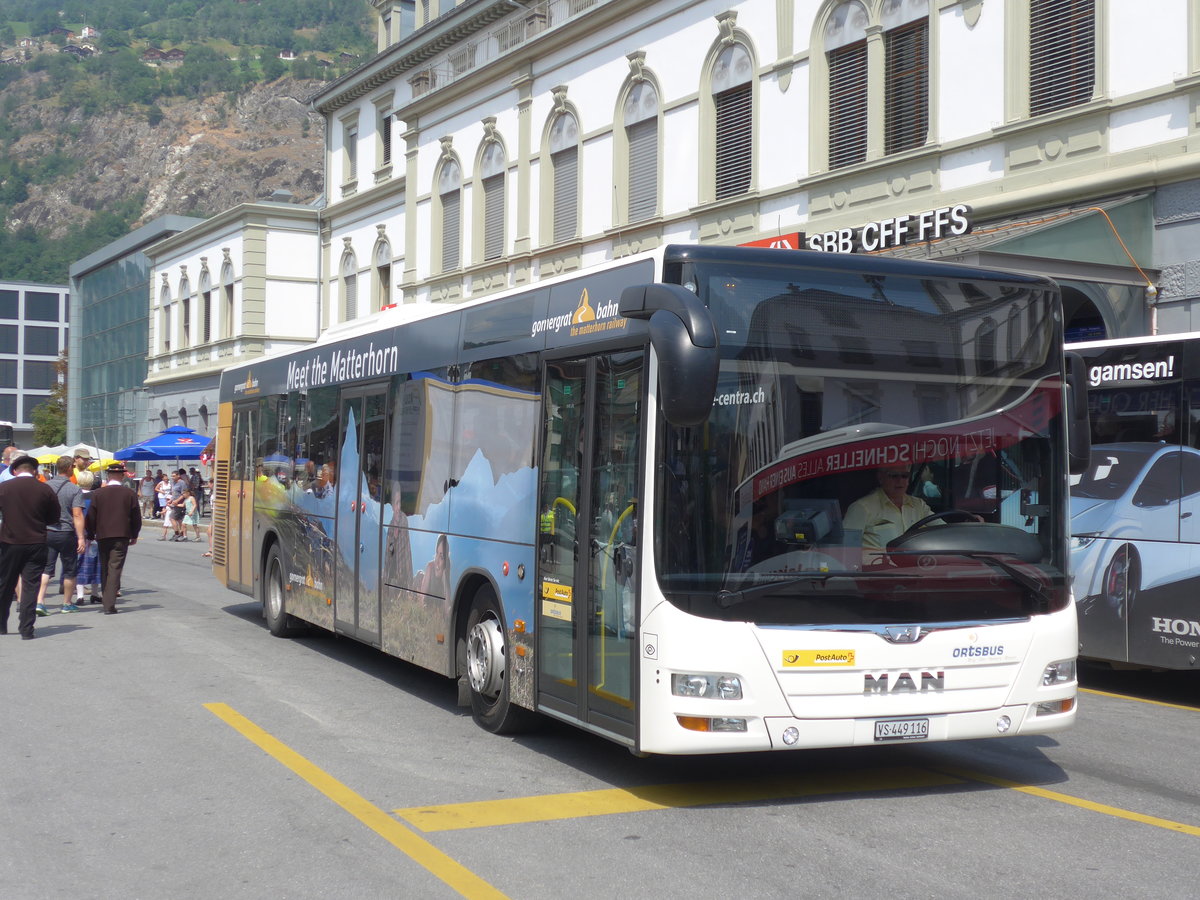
x,y
901,729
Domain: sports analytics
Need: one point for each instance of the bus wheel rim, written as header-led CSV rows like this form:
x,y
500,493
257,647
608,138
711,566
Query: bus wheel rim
x,y
275,593
485,658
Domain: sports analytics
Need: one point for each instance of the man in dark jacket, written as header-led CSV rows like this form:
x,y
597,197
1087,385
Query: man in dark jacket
x,y
27,507
114,520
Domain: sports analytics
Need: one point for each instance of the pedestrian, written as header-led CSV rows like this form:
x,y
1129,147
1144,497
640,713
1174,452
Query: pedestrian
x,y
64,539
83,459
114,520
9,453
87,584
178,487
146,495
27,507
6,472
162,490
191,514
196,486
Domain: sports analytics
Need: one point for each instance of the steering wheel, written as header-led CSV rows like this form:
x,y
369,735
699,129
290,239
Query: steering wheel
x,y
949,515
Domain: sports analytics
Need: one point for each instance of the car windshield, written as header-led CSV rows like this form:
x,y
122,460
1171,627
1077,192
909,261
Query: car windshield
x,y
849,409
1111,471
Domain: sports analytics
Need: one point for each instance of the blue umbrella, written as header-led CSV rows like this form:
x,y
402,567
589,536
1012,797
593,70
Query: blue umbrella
x,y
177,442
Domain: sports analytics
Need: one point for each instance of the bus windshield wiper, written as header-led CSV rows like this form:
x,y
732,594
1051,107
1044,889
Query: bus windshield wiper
x,y
1024,579
756,589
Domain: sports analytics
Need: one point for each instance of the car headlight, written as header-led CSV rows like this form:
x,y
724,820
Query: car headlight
x,y
1079,541
710,685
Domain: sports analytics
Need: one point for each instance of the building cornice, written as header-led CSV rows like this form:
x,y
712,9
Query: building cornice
x,y
422,45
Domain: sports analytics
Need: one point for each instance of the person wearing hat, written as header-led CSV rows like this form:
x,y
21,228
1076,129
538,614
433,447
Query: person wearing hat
x,y
27,507
83,459
113,521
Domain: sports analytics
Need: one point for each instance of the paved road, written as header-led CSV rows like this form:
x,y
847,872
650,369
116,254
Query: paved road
x,y
177,750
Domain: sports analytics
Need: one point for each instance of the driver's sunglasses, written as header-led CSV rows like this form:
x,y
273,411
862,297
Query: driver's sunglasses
x,y
903,475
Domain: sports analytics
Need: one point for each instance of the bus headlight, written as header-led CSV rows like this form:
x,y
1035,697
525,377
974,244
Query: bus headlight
x,y
1061,672
709,685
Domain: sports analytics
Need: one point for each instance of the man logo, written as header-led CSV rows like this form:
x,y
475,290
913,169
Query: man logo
x,y
904,683
904,634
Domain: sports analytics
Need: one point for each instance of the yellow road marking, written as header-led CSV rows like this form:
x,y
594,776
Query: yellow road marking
x,y
1139,700
1074,801
416,848
550,807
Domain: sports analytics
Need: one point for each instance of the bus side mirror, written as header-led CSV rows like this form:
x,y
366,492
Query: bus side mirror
x,y
1079,425
685,341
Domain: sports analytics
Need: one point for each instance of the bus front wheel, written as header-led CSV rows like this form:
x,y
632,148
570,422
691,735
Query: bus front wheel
x,y
487,667
279,623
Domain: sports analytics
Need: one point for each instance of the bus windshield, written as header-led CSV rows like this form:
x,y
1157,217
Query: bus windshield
x,y
880,449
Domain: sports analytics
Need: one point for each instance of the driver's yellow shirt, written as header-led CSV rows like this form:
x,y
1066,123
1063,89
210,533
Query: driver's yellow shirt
x,y
879,519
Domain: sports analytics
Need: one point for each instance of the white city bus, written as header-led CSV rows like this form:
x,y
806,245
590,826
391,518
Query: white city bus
x,y
619,498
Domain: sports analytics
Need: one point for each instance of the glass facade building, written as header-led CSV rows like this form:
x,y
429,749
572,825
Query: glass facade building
x,y
110,302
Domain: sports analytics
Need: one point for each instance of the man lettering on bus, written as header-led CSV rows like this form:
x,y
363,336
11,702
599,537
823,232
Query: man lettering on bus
x,y
887,512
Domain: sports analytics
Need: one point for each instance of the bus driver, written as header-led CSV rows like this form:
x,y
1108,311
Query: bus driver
x,y
887,512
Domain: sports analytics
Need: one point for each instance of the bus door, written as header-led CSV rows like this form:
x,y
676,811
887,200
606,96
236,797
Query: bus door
x,y
588,525
358,491
242,472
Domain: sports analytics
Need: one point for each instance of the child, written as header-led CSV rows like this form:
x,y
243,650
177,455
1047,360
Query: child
x,y
191,514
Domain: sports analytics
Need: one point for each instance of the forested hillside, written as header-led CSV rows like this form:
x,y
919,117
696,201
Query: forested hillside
x,y
113,112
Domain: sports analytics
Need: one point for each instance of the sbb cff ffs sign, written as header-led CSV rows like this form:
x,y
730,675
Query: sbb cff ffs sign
x,y
884,234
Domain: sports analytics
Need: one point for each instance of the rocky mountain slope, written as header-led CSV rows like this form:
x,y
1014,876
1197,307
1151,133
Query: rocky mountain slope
x,y
203,156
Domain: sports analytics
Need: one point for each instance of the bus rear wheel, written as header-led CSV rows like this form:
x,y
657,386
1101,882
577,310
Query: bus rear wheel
x,y
279,623
487,668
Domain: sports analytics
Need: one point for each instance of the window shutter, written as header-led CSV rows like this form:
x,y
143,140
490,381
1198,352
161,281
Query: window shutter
x,y
906,94
351,285
643,170
1062,54
566,193
848,105
206,312
385,134
734,140
493,217
451,230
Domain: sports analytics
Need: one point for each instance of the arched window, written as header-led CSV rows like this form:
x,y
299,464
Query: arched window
x,y
164,318
349,272
450,200
491,171
185,313
859,126
906,74
641,133
227,299
383,275
733,99
985,346
206,311
1062,54
846,55
564,162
